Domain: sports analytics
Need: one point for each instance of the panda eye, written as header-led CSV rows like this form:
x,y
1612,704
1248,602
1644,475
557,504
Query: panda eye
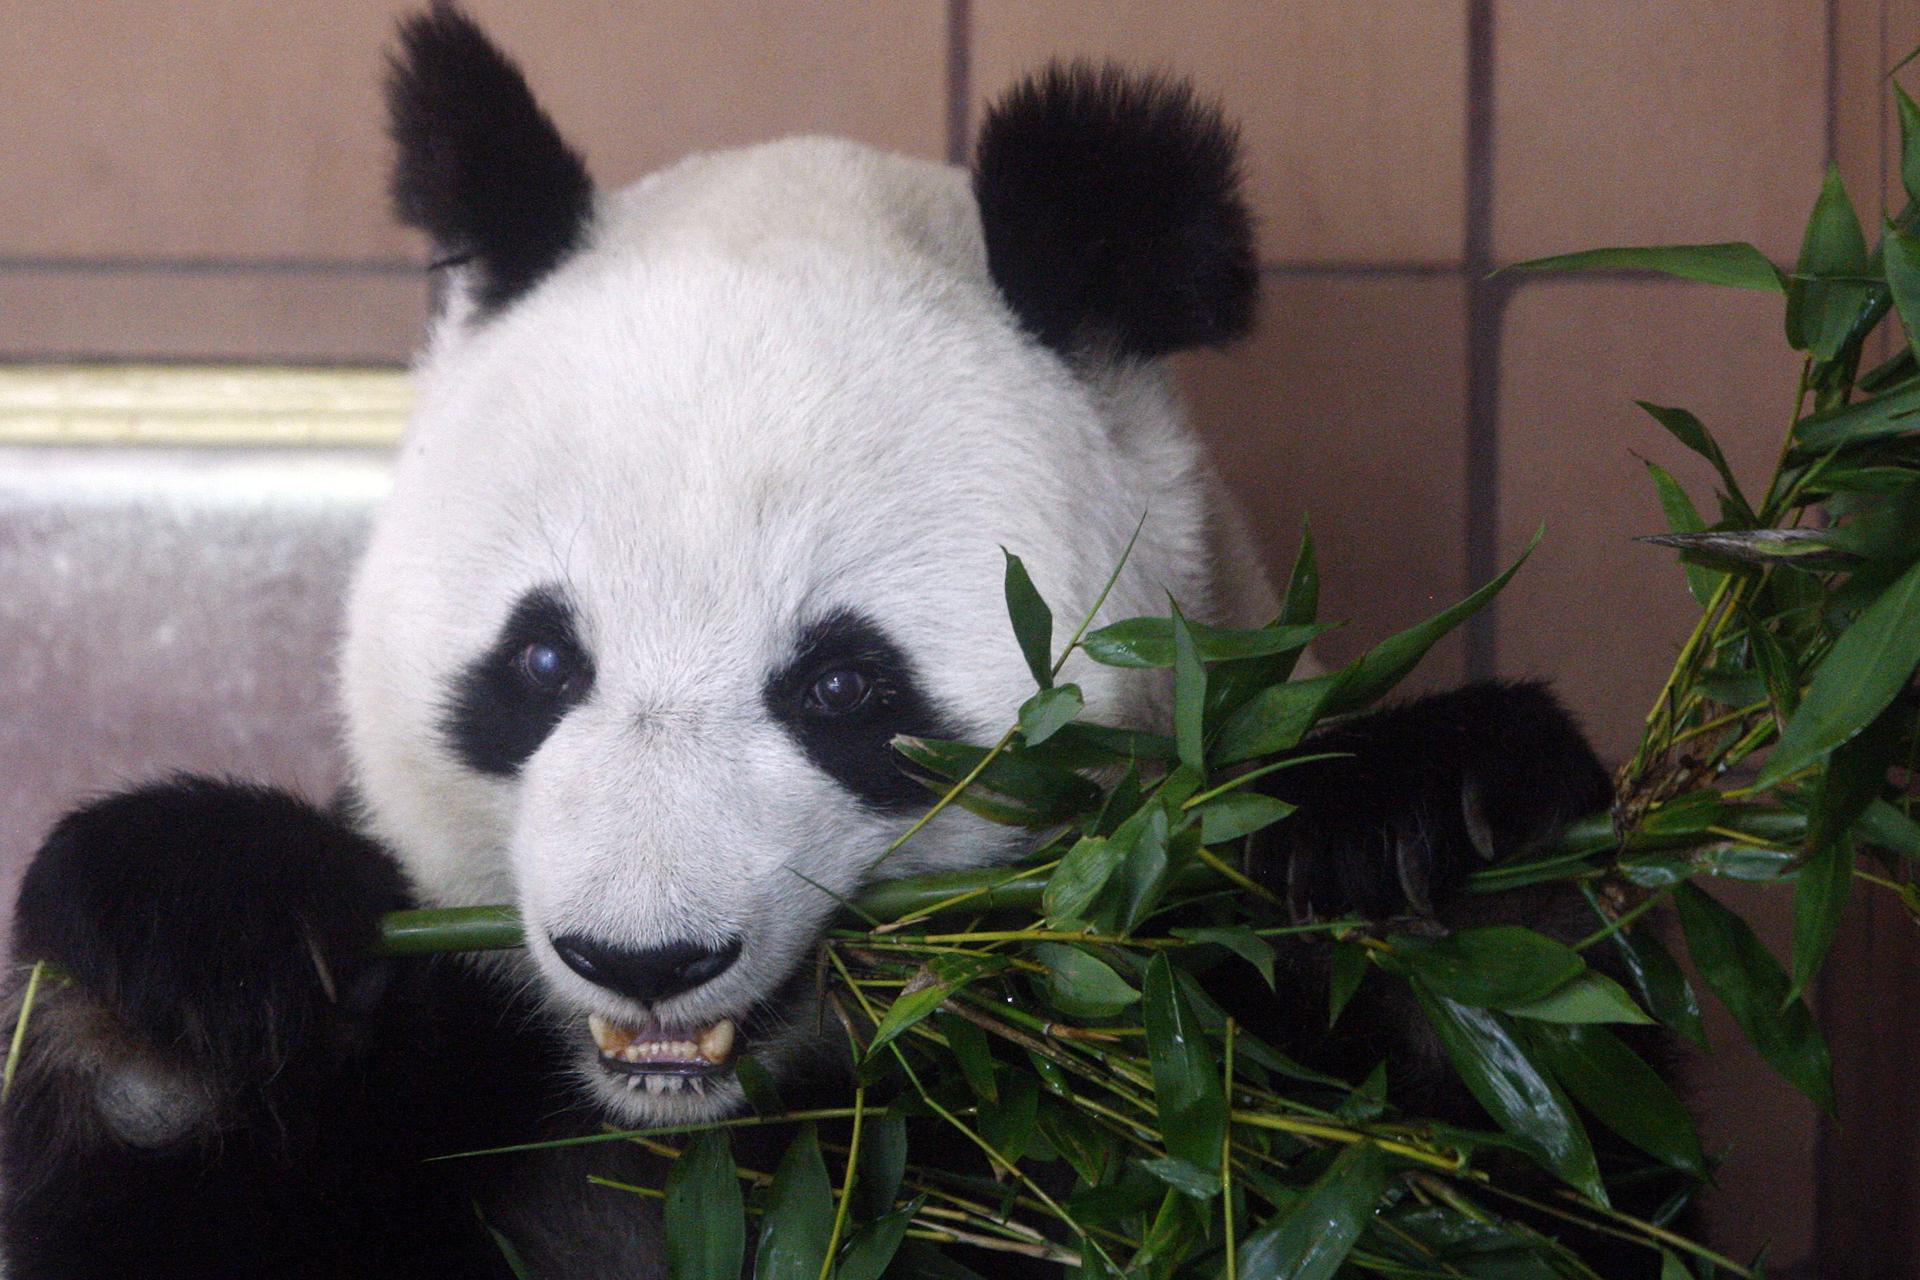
x,y
546,669
839,692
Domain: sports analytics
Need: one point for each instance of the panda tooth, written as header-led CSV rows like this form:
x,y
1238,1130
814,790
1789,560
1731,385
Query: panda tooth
x,y
716,1042
609,1037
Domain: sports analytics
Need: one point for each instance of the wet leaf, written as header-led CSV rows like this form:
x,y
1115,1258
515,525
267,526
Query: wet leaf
x,y
1032,621
873,1247
1621,1090
1588,997
1739,265
798,1222
1526,1103
1663,988
704,1217
1186,1075
1749,981
1312,1238
1186,1178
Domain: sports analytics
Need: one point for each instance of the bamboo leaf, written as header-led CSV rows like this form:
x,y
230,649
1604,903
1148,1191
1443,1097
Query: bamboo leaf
x,y
1902,255
1049,711
1663,988
1740,265
1864,421
1183,1176
1683,519
1861,674
936,982
1083,872
1186,1078
1239,939
1909,142
1032,621
1348,966
1491,968
1239,813
1524,1101
1749,981
1812,550
872,1248
798,1222
883,1164
1275,719
1014,788
1189,695
1081,986
1622,1091
1313,1237
1829,286
704,1217
1587,997
1693,433
1148,642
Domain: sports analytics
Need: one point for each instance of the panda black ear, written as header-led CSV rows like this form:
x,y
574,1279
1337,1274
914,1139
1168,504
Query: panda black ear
x,y
480,167
1112,212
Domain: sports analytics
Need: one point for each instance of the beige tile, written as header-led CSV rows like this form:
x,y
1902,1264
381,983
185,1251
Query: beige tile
x,y
225,128
1643,121
1598,613
267,316
1347,406
1354,120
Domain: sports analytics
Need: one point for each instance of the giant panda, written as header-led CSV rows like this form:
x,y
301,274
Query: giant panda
x,y
702,503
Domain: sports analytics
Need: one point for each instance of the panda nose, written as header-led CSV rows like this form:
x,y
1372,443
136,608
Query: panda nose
x,y
647,974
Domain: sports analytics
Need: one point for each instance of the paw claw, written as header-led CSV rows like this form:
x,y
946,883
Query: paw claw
x,y
1473,815
1413,864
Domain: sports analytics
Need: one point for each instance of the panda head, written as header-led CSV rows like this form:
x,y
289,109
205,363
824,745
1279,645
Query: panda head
x,y
703,502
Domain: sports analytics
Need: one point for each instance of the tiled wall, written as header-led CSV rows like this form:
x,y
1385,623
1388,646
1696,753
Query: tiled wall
x,y
205,180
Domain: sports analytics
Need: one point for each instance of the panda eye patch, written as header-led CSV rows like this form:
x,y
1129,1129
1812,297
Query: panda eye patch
x,y
843,696
839,692
507,700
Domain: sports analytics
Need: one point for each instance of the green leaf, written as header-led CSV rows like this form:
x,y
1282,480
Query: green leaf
x,y
763,1092
1589,997
798,1223
1239,939
704,1216
1015,789
1810,550
1186,1076
1189,695
1083,872
1144,876
1663,988
1347,967
1909,143
1388,662
1314,1236
1739,265
1186,1178
971,1049
1049,711
1525,1102
1749,981
1009,1127
1621,1090
1146,643
1866,667
1856,774
1239,813
1275,719
872,1248
930,988
1890,414
1671,1268
1829,285
1081,986
1885,827
883,1164
1683,518
1080,1142
1491,968
1302,602
1693,433
1902,255
1032,621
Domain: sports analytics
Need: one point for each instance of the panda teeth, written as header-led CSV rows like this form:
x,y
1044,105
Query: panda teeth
x,y
713,1046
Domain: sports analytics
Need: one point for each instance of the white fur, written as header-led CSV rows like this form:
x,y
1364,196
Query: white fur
x,y
776,382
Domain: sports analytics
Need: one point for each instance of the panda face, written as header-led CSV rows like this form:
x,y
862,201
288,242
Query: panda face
x,y
702,503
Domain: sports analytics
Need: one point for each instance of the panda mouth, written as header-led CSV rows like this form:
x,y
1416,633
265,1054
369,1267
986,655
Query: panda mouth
x,y
664,1053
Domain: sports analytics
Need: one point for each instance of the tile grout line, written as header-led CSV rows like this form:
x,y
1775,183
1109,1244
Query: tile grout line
x,y
378,268
1486,305
959,80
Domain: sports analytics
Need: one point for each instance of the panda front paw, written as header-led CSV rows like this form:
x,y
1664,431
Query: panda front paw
x,y
216,938
1419,795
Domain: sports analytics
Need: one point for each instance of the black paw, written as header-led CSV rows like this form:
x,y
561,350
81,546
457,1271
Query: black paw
x,y
1423,794
225,927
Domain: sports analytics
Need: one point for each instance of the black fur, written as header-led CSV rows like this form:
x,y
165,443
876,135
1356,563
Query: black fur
x,y
856,749
481,167
497,717
1112,212
1453,781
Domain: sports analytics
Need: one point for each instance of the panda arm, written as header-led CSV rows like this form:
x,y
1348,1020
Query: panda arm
x,y
1415,797
219,1082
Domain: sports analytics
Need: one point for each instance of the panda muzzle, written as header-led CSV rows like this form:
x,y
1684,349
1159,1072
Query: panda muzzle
x,y
663,1051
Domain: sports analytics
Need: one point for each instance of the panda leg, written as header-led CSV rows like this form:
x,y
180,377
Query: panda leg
x,y
209,1086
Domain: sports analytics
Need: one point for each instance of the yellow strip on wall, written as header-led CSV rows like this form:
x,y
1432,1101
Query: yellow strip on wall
x,y
201,405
